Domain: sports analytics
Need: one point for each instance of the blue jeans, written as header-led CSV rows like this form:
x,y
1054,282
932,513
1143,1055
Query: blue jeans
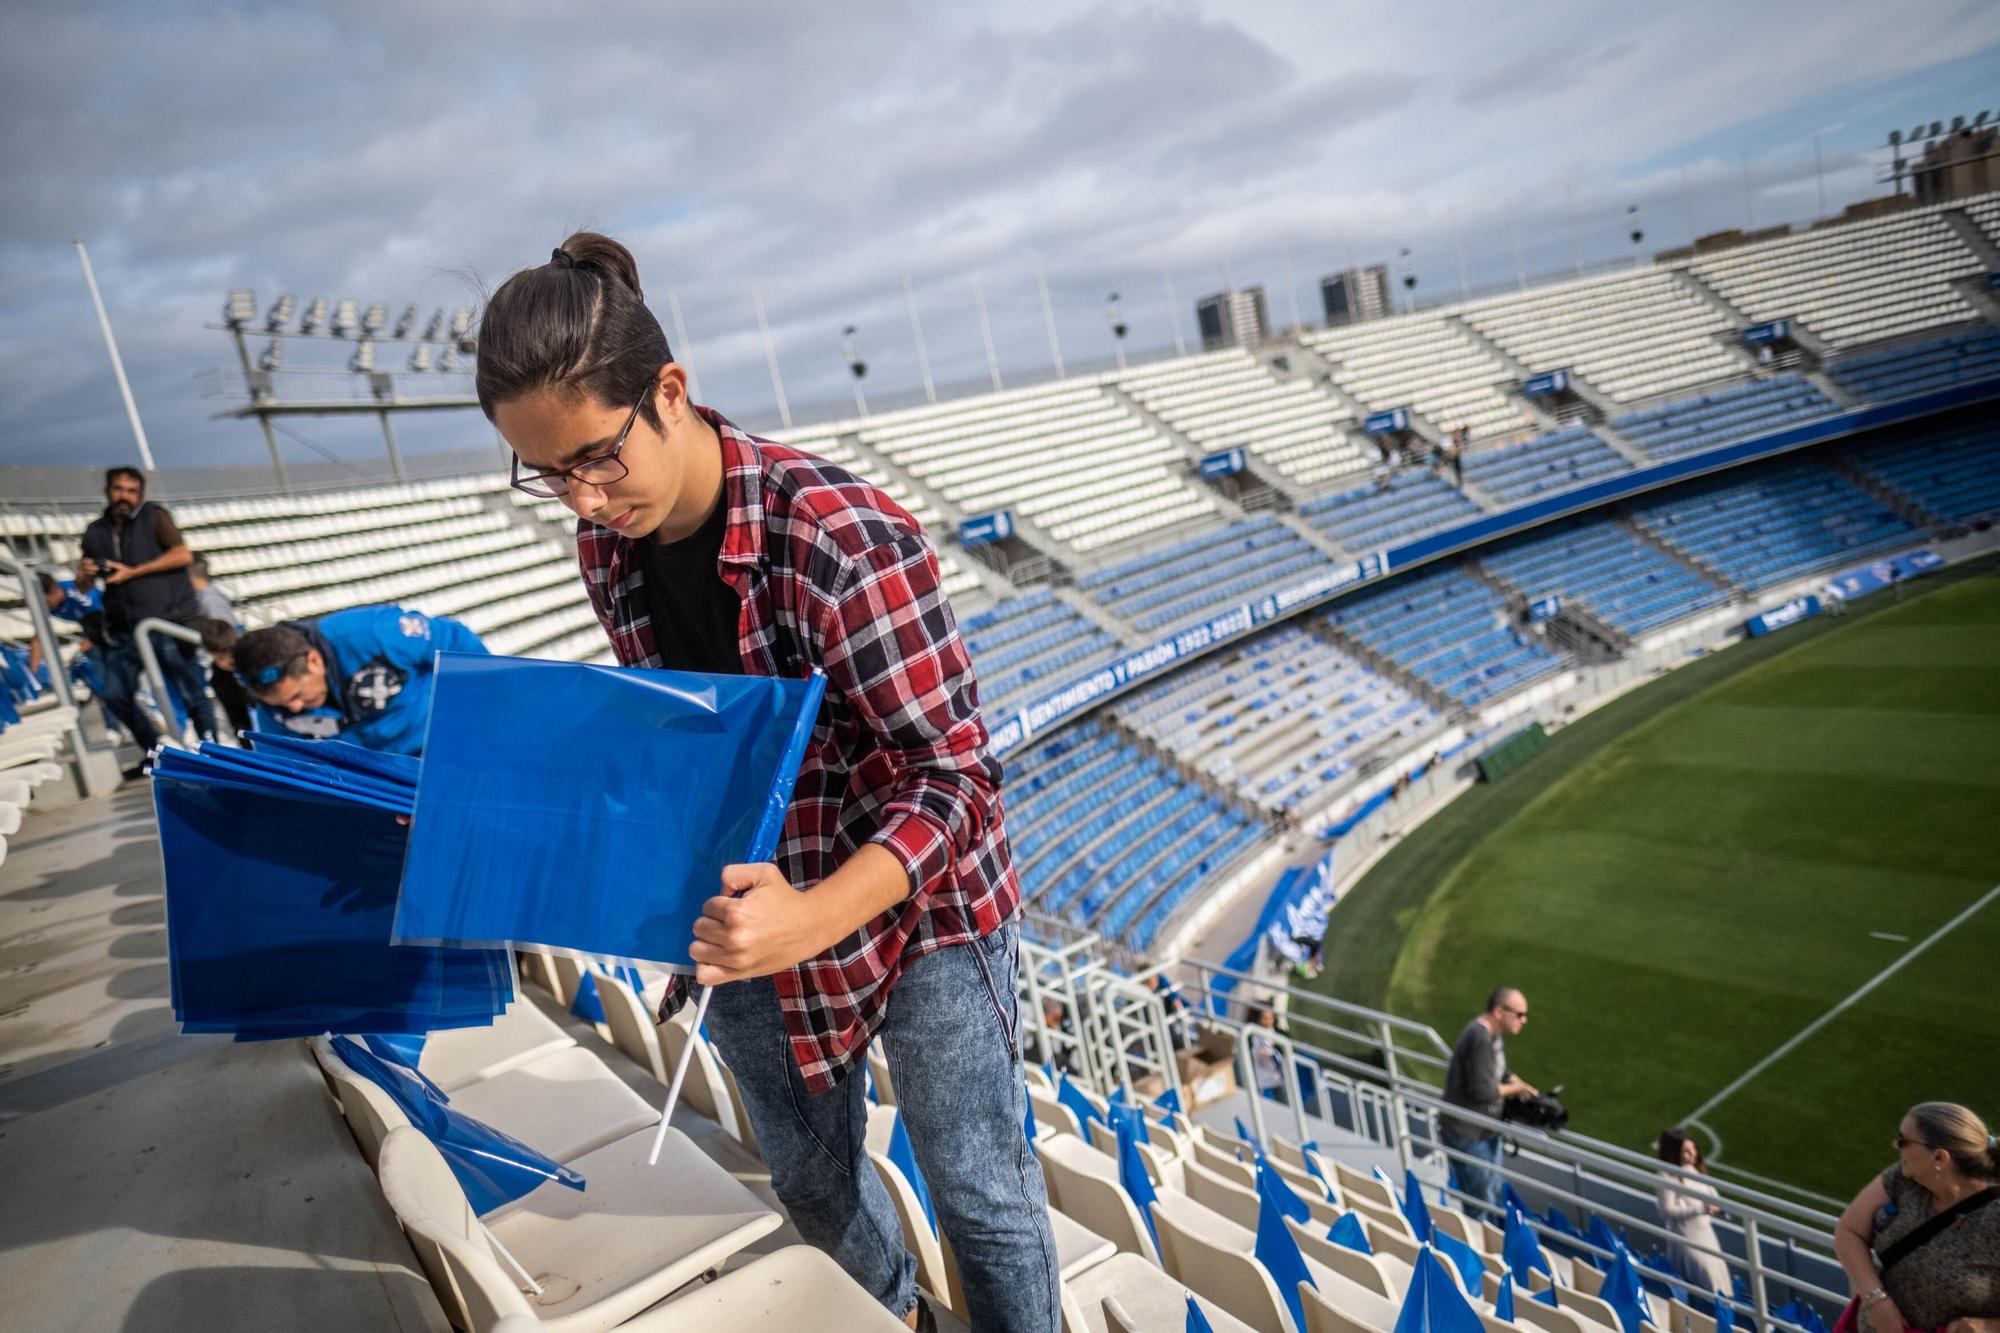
x,y
1481,1182
123,671
960,1090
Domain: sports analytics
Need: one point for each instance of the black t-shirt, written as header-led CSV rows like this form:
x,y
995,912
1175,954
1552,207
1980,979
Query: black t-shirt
x,y
694,612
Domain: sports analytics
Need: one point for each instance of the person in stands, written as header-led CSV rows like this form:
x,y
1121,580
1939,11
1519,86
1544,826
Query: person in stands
x,y
134,549
1478,1080
1921,1241
214,604
362,675
1686,1205
892,906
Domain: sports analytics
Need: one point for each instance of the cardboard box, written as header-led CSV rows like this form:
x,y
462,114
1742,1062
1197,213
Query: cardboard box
x,y
1208,1068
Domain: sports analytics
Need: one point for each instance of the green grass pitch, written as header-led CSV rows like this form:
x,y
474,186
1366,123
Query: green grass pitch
x,y
1690,876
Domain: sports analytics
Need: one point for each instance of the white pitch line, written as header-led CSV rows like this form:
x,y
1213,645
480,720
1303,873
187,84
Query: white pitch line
x,y
1885,935
1843,1006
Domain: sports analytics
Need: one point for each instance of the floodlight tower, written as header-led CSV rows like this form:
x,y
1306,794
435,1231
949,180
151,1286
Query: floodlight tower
x,y
1409,277
1116,319
1636,231
239,311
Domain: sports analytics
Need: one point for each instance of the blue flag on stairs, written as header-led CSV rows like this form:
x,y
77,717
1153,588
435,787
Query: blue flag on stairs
x,y
905,1159
1623,1293
1133,1176
1279,1252
1521,1251
1414,1208
1503,1305
1347,1230
1270,1181
1434,1304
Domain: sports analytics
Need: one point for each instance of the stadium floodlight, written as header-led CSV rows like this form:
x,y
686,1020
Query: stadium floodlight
x,y
363,358
405,322
281,312
240,310
420,360
1937,128
1632,221
1115,318
435,329
374,318
1895,137
346,316
1980,119
850,349
274,355
1957,124
315,316
1403,269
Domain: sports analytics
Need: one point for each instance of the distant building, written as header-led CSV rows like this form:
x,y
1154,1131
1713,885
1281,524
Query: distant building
x,y
1356,294
1232,319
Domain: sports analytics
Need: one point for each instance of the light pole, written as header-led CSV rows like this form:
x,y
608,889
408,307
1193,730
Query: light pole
x,y
850,351
1118,329
1409,278
1636,230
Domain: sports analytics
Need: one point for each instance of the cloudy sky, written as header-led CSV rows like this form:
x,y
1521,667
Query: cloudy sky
x,y
821,153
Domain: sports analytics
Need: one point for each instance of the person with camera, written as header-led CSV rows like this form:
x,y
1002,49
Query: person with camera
x,y
1478,1080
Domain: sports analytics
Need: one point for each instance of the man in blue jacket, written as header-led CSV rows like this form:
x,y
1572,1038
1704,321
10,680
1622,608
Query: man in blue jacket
x,y
363,675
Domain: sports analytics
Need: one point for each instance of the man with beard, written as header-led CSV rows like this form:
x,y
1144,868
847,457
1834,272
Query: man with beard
x,y
135,549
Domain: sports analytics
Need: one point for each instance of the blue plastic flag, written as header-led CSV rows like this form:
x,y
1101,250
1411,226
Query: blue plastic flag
x,y
1414,1208
1503,1305
905,1159
1463,1257
1624,1294
1725,1314
521,835
405,1048
1197,1322
493,1169
1347,1229
1279,1252
280,897
1802,1314
1601,1235
1547,1296
1434,1304
1069,1095
1132,1175
1511,1198
1521,1251
1169,1101
1269,1181
1243,1132
586,1004
1310,1151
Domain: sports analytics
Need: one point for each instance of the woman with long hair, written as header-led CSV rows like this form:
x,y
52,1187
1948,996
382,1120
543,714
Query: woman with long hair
x,y
1686,1204
891,909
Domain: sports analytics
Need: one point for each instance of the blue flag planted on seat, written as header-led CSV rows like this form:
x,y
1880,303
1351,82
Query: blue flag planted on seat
x,y
1169,1101
1197,1322
1434,1304
586,1004
1133,1176
1414,1208
1623,1293
1521,1251
1463,1257
1601,1235
1347,1230
1547,1296
905,1159
1081,1106
1309,1150
1243,1132
1503,1304
493,1168
1725,1314
520,835
1511,1198
1278,1251
1269,1181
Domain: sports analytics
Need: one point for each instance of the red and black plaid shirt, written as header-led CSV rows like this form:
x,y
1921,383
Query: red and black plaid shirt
x,y
833,574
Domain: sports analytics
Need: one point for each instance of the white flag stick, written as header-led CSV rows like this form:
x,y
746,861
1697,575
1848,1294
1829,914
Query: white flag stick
x,y
680,1074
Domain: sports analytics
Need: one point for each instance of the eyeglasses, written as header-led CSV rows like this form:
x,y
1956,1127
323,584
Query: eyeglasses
x,y
1521,1014
597,470
1902,1143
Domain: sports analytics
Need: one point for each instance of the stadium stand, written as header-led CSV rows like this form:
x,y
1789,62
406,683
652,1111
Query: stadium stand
x,y
1228,398
1282,719
1627,584
1548,463
1034,639
1851,285
1723,415
1795,518
1447,629
1170,587
1406,504
1900,372
1067,457
1421,362
1630,336
1951,473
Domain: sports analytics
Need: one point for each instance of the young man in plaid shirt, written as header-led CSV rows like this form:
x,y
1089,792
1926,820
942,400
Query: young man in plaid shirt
x,y
891,909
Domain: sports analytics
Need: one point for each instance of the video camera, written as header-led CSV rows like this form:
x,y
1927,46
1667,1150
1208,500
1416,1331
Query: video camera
x,y
1543,1111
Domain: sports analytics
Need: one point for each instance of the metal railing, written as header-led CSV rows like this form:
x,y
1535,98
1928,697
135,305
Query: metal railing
x,y
45,634
1377,1077
171,733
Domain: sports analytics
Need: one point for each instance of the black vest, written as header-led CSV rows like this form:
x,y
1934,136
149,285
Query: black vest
x,y
168,595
